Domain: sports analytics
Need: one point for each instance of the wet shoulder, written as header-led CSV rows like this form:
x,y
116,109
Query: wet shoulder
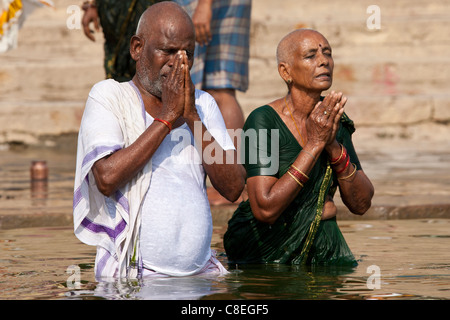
x,y
262,117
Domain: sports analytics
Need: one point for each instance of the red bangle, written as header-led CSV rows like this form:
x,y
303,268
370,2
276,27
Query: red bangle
x,y
341,158
167,123
303,178
333,161
345,167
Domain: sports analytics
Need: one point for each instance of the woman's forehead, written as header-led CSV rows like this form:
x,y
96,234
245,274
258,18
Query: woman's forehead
x,y
312,41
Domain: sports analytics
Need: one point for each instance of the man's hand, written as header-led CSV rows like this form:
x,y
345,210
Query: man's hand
x,y
202,22
173,91
190,111
90,15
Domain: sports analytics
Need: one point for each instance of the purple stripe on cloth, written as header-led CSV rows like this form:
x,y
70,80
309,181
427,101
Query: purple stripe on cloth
x,y
102,263
99,150
140,98
123,201
77,196
97,228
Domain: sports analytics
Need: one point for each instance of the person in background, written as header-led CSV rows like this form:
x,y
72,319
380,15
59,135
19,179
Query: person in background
x,y
118,20
221,68
222,31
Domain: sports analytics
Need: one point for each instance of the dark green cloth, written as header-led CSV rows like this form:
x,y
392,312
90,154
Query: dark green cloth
x,y
119,20
298,236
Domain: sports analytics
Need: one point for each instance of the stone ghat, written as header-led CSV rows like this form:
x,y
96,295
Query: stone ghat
x,y
396,76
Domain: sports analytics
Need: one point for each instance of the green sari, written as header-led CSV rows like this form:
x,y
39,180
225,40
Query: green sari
x,y
299,236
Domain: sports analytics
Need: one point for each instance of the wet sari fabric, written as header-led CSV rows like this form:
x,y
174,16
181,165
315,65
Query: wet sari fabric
x,y
299,236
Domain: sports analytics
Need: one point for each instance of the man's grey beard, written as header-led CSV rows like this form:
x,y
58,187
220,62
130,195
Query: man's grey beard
x,y
154,88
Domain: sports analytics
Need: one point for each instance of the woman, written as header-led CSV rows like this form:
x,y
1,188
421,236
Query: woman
x,y
290,215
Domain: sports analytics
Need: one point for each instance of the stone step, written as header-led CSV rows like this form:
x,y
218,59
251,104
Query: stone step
x,y
34,121
379,110
265,34
395,75
392,41
38,122
49,81
348,8
56,79
362,77
344,19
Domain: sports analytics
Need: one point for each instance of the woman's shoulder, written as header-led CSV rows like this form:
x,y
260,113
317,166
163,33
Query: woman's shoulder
x,y
263,110
261,116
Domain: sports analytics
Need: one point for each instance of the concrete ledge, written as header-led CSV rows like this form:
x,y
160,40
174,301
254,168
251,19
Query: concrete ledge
x,y
35,220
434,211
221,215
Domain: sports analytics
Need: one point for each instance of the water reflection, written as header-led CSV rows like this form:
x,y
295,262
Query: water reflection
x,y
39,192
289,282
412,255
34,264
247,282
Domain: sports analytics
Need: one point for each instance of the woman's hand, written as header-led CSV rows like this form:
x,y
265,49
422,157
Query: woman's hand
x,y
340,104
323,122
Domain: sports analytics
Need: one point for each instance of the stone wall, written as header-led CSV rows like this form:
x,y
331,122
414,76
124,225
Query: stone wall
x,y
396,77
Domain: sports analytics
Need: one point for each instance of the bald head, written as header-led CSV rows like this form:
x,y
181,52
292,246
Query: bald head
x,y
303,56
164,31
160,14
291,42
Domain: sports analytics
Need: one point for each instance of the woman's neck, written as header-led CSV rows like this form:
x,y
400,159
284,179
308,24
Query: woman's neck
x,y
303,102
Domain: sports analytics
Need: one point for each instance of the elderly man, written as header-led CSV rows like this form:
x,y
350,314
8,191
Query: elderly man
x,y
144,150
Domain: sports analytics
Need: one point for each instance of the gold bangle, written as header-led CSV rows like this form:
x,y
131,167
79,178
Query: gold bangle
x,y
351,174
338,159
296,180
299,171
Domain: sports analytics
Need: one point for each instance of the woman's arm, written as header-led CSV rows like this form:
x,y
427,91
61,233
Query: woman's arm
x,y
270,196
355,188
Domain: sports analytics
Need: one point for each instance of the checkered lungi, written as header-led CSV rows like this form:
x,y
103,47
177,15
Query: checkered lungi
x,y
223,63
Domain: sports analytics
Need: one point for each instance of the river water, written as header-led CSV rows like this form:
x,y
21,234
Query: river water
x,y
40,258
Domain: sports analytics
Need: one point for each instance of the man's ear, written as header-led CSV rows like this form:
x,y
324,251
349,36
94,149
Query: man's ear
x,y
136,46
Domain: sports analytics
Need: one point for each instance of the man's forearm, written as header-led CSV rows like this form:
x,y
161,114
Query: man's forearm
x,y
116,170
225,172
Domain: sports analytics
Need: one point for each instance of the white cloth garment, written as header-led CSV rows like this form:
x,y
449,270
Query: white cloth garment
x,y
168,197
110,106
176,221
